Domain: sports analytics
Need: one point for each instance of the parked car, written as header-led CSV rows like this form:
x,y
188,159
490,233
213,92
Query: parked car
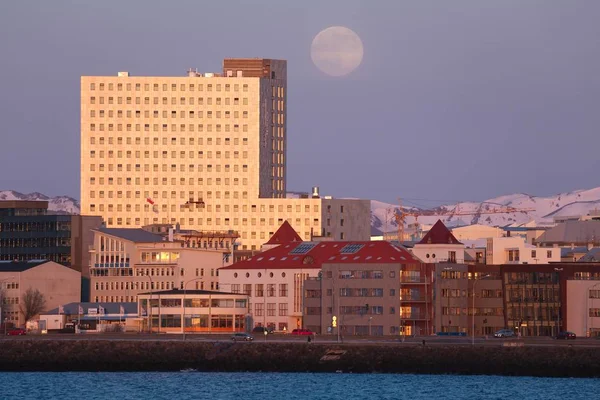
x,y
566,335
262,329
243,337
16,332
504,333
302,332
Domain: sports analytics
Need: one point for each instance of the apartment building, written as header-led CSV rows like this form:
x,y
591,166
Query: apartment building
x,y
207,151
58,283
128,261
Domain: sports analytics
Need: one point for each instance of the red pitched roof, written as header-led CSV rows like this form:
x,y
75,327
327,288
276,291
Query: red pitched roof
x,y
439,234
314,254
285,234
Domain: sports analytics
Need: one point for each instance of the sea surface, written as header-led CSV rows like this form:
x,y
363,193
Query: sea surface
x,y
286,386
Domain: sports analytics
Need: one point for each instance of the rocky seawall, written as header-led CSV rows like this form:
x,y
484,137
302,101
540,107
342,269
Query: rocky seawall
x,y
115,355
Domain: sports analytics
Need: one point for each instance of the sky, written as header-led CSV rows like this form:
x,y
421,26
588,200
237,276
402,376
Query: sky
x,y
454,100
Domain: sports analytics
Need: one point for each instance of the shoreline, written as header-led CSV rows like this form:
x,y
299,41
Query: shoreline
x,y
156,356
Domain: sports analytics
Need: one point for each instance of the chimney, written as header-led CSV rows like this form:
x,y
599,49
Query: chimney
x,y
170,234
315,192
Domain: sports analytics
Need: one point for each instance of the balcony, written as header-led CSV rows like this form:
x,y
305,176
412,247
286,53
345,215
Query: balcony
x,y
413,299
414,317
112,265
407,280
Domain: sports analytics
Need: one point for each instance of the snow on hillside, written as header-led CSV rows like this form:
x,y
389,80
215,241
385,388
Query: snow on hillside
x,y
543,210
58,204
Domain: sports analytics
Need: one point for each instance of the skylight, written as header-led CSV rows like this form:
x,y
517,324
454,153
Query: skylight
x,y
303,248
351,248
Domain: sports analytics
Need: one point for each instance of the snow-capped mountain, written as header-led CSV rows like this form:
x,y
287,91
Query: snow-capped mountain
x,y
539,210
58,204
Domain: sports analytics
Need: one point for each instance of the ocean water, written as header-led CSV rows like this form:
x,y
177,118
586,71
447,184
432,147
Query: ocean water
x,y
286,386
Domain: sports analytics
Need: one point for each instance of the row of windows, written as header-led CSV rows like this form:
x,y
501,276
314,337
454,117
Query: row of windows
x,y
51,226
9,285
173,128
182,100
173,142
165,154
167,168
271,309
482,311
236,208
166,114
165,87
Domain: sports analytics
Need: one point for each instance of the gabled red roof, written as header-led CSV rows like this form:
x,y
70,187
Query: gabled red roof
x,y
439,234
285,234
314,254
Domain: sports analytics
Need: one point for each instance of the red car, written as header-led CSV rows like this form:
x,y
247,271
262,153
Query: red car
x,y
16,332
302,332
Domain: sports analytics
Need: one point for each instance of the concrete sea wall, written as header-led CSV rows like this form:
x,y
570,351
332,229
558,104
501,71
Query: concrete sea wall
x,y
115,355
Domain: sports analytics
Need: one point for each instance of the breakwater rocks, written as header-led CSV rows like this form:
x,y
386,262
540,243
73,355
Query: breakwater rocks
x,y
116,355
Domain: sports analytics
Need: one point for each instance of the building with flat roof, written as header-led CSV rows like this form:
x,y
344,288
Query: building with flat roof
x,y
194,311
29,232
207,151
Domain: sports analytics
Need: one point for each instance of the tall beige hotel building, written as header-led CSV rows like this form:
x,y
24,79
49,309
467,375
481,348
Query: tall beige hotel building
x,y
206,151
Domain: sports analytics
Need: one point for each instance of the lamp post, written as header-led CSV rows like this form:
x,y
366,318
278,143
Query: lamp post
x,y
150,305
183,313
473,316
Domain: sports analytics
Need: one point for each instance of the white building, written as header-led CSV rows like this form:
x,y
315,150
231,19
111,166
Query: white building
x,y
514,250
439,245
475,232
126,262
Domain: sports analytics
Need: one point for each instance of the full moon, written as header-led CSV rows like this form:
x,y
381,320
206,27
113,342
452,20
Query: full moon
x,y
337,51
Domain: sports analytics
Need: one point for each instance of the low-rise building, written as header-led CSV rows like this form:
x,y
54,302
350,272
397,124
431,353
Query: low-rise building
x,y
475,232
91,317
129,261
439,245
57,283
514,250
194,311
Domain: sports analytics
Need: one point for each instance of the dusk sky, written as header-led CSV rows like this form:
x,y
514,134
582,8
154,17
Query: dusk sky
x,y
454,100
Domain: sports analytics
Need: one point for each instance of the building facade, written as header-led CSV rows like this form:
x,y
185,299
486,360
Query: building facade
x,y
57,283
28,232
194,311
514,250
207,151
126,262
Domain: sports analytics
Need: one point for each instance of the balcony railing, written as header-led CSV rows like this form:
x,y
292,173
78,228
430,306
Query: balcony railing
x,y
112,265
409,280
413,317
419,298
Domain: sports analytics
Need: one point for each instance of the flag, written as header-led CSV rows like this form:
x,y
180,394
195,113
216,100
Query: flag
x,y
61,310
149,200
122,310
80,309
100,310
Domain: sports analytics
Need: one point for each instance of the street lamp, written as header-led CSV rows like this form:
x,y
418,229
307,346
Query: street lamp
x,y
183,314
150,305
473,316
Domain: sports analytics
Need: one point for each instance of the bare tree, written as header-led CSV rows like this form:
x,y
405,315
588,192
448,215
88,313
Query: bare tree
x,y
32,304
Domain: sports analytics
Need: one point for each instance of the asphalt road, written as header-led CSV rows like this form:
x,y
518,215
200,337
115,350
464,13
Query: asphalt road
x,y
429,341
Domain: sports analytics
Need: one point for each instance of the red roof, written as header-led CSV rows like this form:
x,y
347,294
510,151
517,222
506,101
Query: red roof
x,y
439,234
285,234
314,254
